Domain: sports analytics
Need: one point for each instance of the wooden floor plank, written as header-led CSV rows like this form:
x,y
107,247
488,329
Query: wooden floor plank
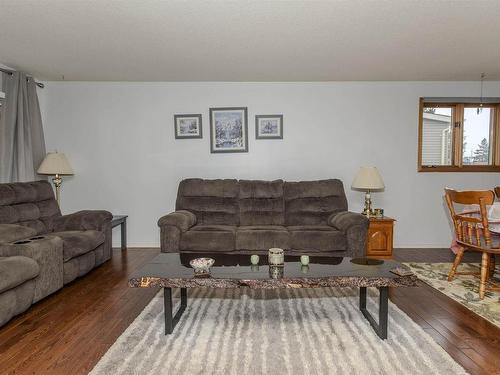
x,y
457,354
68,332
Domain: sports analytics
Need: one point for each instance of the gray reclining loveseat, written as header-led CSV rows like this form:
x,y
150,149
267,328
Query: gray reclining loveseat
x,y
42,250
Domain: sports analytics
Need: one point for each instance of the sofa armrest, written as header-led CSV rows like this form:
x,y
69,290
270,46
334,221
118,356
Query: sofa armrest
x,y
83,220
14,232
48,253
346,219
171,228
355,227
182,220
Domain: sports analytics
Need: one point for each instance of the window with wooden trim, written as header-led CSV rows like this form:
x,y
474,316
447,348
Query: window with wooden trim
x,y
459,136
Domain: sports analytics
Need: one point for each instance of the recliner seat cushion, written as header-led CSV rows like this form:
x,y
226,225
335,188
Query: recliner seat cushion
x,y
262,237
317,238
16,270
76,243
209,238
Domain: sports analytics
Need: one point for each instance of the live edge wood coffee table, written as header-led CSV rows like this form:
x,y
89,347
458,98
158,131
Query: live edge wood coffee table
x,y
170,270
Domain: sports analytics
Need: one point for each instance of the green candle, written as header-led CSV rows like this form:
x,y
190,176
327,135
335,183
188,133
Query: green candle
x,y
304,259
254,259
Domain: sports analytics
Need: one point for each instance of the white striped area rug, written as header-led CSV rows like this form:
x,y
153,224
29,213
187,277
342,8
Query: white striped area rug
x,y
294,331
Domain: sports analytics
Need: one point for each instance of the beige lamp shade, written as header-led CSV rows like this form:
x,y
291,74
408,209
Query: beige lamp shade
x,y
368,178
55,163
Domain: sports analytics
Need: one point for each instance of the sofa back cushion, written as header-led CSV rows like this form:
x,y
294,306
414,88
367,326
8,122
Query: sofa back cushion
x,y
31,204
261,202
312,202
213,202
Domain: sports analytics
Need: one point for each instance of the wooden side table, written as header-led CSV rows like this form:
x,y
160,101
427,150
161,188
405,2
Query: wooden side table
x,y
379,242
121,220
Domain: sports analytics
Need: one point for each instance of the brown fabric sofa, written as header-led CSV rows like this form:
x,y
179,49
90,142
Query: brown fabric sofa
x,y
231,216
63,248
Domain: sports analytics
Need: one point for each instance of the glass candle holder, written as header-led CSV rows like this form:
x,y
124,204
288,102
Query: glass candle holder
x,y
276,257
276,272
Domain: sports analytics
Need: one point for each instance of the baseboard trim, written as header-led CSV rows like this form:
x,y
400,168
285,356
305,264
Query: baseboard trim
x,y
139,247
425,246
435,247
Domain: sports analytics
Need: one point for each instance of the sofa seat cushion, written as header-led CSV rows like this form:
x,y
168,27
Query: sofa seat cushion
x,y
314,238
79,242
213,238
262,237
214,228
16,270
311,227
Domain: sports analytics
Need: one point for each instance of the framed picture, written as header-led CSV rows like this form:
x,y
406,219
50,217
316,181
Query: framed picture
x,y
187,126
228,129
269,127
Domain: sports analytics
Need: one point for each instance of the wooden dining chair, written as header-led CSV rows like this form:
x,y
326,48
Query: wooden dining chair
x,y
497,191
472,233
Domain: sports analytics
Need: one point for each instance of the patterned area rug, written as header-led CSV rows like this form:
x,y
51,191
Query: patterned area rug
x,y
243,331
464,288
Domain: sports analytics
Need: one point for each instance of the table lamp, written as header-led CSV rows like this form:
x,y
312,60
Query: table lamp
x,y
55,164
368,179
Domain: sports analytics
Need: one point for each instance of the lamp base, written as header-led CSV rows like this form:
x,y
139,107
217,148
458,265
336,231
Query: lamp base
x,y
57,181
367,211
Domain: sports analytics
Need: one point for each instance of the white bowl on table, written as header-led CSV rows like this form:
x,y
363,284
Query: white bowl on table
x,y
202,265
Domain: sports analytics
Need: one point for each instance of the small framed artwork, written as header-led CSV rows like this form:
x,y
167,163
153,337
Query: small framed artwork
x,y
187,126
228,130
269,127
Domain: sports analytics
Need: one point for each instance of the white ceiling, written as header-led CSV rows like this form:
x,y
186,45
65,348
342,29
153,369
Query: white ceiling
x,y
146,40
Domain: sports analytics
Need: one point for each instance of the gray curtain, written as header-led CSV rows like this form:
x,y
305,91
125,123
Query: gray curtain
x,y
22,145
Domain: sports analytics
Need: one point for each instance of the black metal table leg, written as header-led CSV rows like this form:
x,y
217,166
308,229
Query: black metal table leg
x,y
381,327
170,319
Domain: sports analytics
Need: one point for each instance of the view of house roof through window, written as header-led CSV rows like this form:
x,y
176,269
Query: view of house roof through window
x,y
459,136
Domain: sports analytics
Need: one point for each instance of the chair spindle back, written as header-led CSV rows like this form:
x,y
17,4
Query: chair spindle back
x,y
471,226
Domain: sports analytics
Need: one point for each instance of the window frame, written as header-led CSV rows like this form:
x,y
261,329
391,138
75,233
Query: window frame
x,y
457,137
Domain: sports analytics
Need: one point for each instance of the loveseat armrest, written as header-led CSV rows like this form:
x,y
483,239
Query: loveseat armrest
x,y
355,227
83,220
48,253
182,220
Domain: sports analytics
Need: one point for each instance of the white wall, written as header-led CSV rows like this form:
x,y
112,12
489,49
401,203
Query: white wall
x,y
120,139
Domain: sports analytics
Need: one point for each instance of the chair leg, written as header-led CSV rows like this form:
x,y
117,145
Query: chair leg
x,y
492,265
456,262
485,260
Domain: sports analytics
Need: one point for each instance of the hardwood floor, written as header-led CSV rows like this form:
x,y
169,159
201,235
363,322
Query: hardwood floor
x,y
69,331
471,340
